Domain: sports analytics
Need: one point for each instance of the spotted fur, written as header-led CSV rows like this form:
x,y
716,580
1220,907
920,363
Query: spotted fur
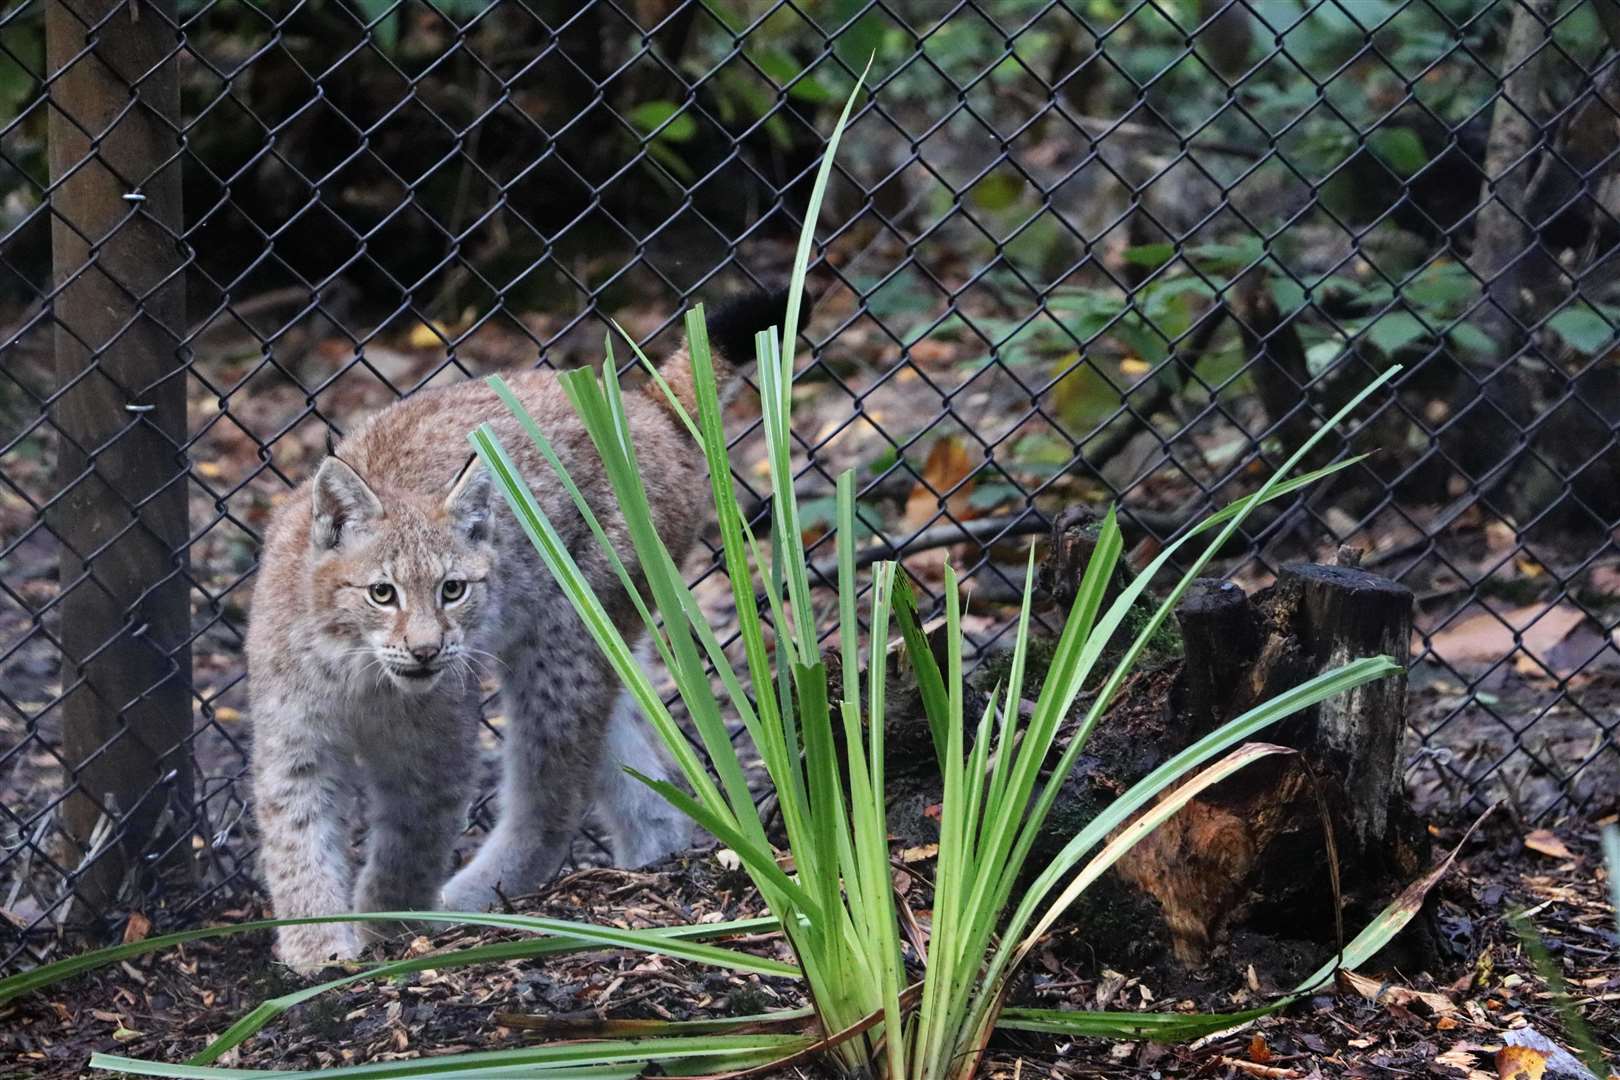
x,y
365,659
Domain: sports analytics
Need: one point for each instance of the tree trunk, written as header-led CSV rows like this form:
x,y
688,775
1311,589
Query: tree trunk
x,y
120,413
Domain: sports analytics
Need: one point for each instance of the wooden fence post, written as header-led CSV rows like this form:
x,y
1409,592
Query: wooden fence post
x,y
120,412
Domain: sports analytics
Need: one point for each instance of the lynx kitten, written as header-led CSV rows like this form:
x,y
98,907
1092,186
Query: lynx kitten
x,y
388,582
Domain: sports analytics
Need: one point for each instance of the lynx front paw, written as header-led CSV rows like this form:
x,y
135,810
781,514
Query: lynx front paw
x,y
469,891
308,949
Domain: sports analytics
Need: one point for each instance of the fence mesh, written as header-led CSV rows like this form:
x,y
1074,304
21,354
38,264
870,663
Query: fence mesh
x,y
1074,252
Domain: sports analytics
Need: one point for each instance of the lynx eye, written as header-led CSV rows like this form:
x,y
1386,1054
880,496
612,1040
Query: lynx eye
x,y
452,590
381,594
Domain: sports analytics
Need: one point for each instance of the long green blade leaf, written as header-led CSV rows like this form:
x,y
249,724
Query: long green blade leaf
x,y
267,1011
518,1061
581,933
1159,1027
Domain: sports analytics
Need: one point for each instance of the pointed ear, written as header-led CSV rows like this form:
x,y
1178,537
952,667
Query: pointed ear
x,y
467,504
343,503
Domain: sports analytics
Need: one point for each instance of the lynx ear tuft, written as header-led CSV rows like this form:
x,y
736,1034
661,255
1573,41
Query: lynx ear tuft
x,y
468,501
344,503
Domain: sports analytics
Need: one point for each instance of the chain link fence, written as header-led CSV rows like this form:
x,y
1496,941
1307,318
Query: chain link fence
x,y
1075,252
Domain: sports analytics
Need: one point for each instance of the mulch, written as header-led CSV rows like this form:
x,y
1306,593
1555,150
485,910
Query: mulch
x,y
1440,1009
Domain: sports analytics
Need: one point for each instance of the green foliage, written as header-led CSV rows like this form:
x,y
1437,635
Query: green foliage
x,y
665,125
1400,149
1426,307
663,120
1586,328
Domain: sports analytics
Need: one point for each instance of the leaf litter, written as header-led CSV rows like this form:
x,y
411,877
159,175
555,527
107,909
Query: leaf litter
x,y
1453,993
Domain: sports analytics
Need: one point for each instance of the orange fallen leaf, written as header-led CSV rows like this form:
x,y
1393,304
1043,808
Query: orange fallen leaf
x,y
948,465
1520,1063
1543,842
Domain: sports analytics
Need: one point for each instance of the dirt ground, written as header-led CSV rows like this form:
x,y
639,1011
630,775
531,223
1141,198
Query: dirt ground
x,y
1448,994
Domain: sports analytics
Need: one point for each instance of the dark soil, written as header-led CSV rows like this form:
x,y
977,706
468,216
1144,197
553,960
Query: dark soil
x,y
167,1005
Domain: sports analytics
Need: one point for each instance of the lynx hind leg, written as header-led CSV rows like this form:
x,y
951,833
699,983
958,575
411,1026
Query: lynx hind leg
x,y
642,826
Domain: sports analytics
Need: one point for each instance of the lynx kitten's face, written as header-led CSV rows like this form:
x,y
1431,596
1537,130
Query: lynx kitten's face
x,y
401,579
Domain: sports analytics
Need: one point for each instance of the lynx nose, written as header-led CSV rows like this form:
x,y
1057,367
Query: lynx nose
x,y
424,653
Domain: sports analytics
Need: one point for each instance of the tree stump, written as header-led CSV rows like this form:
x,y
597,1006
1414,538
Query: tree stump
x,y
1220,633
1252,849
1338,614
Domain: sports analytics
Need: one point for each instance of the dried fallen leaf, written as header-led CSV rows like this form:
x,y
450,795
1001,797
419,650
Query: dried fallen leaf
x,y
1391,994
1134,366
1543,842
948,464
919,853
1486,637
1110,986
136,928
1458,1057
931,351
1520,1063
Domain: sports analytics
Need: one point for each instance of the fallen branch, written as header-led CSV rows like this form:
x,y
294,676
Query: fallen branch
x,y
984,531
1136,523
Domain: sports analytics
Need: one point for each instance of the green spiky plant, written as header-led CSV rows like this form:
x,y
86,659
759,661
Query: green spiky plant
x,y
835,906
